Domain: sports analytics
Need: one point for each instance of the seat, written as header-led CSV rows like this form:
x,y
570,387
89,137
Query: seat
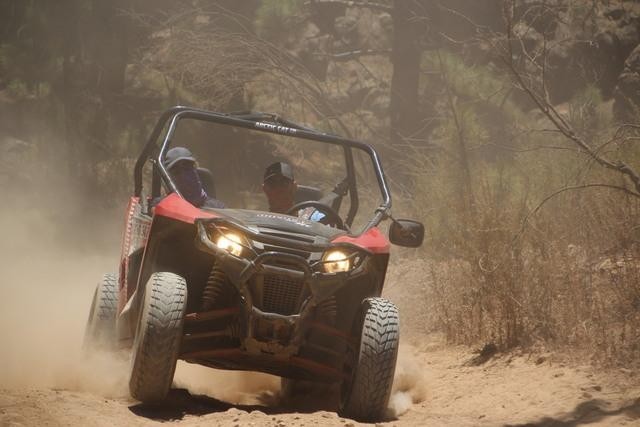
x,y
306,192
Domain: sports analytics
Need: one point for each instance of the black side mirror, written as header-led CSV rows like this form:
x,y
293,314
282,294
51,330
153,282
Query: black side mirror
x,y
405,232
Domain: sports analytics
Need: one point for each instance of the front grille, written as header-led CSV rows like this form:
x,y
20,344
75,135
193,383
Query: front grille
x,y
286,235
281,294
288,239
303,254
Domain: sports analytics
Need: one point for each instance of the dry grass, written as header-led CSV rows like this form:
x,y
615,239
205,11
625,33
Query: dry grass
x,y
569,279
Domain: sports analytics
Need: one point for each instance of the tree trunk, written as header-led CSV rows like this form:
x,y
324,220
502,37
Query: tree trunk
x,y
68,89
405,57
110,44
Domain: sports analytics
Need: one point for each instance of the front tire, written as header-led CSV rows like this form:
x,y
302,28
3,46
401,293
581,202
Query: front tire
x,y
100,332
157,341
366,391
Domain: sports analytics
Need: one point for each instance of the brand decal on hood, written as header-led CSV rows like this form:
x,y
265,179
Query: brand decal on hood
x,y
291,219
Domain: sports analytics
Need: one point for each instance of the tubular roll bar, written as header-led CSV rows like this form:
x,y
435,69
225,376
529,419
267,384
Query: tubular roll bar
x,y
262,122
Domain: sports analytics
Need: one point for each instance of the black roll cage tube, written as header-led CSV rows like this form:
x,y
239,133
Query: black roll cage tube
x,y
249,120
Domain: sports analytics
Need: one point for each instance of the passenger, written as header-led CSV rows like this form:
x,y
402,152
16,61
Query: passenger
x,y
182,167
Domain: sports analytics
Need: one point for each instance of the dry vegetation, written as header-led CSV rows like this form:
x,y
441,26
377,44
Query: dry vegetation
x,y
537,214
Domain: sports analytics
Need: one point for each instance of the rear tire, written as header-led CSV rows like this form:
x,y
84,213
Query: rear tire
x,y
157,341
100,332
365,393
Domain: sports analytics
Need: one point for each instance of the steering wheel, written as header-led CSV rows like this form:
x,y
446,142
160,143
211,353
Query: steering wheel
x,y
331,216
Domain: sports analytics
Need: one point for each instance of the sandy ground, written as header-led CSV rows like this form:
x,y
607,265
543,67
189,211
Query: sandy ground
x,y
511,390
46,288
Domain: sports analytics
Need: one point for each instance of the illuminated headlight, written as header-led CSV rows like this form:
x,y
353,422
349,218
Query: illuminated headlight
x,y
231,242
336,261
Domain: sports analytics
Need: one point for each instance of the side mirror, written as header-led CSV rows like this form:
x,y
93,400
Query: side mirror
x,y
405,232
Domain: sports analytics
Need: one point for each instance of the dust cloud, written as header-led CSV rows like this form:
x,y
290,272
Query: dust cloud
x,y
52,260
46,289
409,385
252,388
238,387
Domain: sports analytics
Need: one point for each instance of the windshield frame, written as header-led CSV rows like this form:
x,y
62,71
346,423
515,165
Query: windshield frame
x,y
262,122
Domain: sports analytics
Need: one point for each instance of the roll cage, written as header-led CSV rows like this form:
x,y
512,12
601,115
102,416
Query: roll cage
x,y
263,122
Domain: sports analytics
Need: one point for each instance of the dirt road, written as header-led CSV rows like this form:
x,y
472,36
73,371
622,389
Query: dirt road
x,y
44,381
509,390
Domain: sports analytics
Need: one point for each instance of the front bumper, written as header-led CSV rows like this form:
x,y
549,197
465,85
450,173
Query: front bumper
x,y
272,338
241,269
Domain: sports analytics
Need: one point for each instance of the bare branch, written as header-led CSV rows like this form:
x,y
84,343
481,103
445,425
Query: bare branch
x,y
346,56
564,189
348,3
526,150
552,113
617,136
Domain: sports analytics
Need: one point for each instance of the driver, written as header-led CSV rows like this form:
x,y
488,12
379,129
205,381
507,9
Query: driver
x,y
182,167
279,185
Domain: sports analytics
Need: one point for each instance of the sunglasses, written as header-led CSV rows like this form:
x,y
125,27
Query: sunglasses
x,y
183,165
278,181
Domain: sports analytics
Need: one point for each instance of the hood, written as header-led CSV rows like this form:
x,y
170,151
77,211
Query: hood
x,y
279,222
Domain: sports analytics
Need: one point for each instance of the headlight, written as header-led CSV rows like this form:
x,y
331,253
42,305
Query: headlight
x,y
336,261
231,242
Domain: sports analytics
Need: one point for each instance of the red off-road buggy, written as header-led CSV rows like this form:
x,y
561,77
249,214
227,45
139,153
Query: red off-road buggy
x,y
247,289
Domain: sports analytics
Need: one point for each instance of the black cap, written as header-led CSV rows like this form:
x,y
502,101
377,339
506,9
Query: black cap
x,y
177,154
278,169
